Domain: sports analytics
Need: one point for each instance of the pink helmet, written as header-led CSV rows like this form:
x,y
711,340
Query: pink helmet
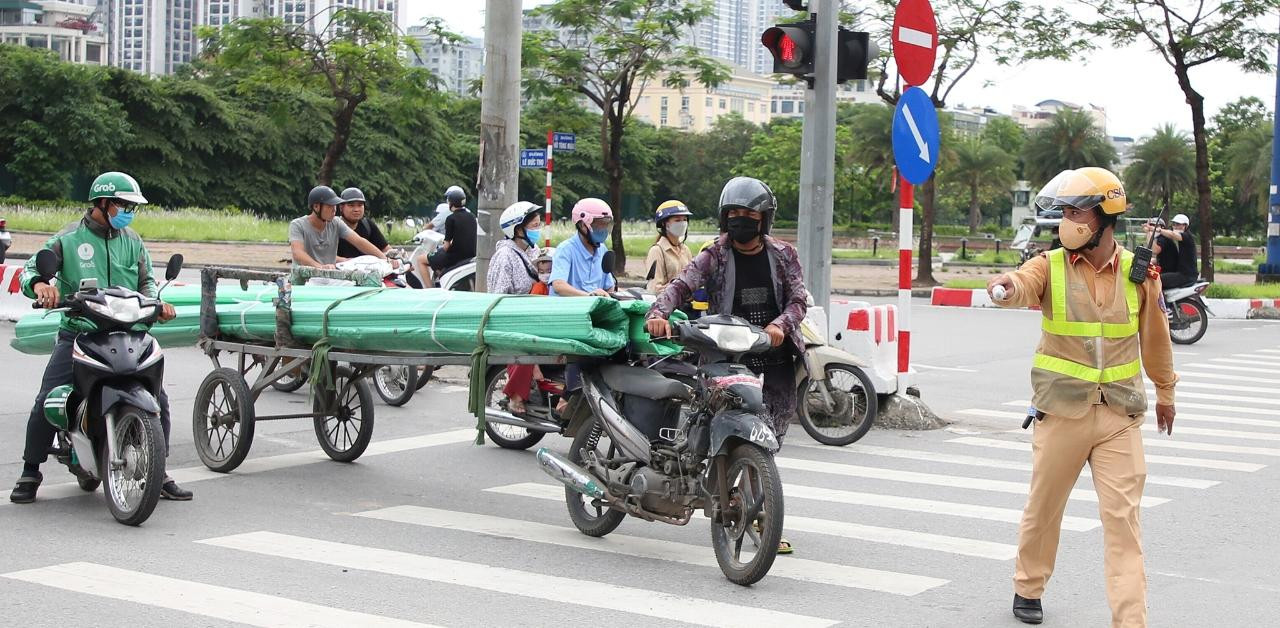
x,y
587,210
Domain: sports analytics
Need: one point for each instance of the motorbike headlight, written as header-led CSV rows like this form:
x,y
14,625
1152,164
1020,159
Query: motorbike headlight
x,y
122,309
732,338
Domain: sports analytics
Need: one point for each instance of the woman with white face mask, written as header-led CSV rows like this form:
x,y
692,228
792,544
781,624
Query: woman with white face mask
x,y
668,255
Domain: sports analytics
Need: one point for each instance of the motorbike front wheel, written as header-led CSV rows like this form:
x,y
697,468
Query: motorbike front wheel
x,y
395,384
134,472
592,517
1188,322
746,537
851,411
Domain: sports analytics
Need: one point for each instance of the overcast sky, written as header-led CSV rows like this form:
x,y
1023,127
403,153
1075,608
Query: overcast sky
x,y
1134,85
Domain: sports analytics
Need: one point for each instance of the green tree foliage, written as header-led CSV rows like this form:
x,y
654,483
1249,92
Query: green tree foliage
x,y
54,120
1164,164
1240,162
1069,141
607,51
351,55
1009,136
984,170
1248,168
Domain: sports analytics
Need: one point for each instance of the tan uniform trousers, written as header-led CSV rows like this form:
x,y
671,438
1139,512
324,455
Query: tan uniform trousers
x,y
1112,444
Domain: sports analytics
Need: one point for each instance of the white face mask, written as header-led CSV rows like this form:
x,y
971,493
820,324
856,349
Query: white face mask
x,y
544,277
677,229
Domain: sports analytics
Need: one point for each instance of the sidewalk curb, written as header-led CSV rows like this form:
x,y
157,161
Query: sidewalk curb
x,y
1235,309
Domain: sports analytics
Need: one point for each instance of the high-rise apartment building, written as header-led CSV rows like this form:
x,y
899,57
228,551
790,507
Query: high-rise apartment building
x,y
223,12
732,32
301,11
457,65
72,28
152,36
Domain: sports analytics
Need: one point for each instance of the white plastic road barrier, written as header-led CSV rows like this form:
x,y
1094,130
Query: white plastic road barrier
x,y
9,275
870,333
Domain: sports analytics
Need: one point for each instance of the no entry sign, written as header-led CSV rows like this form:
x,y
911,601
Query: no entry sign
x,y
915,40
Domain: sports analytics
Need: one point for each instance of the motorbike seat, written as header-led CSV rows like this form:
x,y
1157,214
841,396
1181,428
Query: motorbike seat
x,y
642,382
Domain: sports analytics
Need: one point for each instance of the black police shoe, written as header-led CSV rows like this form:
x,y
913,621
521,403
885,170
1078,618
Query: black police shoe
x,y
171,490
1027,611
24,492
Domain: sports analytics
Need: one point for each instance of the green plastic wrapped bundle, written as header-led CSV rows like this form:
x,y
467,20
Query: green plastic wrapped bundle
x,y
35,333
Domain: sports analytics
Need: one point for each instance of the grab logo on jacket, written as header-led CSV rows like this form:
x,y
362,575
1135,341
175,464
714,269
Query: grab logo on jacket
x,y
85,251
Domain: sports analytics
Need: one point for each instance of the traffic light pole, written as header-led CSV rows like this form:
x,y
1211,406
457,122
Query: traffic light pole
x,y
497,181
817,159
1270,270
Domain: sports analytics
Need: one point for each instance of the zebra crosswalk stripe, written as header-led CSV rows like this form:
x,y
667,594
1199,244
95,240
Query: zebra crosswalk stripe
x,y
197,598
804,570
658,604
1183,461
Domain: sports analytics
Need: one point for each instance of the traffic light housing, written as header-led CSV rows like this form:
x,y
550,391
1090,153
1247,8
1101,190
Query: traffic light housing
x,y
792,47
855,55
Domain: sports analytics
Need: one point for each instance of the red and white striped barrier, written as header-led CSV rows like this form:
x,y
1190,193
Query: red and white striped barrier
x,y
10,278
872,333
1218,308
906,211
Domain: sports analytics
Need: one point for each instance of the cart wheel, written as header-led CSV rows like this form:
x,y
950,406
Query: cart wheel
x,y
347,426
294,380
222,420
396,383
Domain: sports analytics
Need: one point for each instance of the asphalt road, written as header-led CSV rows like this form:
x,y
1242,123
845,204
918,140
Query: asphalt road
x,y
901,529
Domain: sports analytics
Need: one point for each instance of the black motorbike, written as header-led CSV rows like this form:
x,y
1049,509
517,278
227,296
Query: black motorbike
x,y
108,419
658,449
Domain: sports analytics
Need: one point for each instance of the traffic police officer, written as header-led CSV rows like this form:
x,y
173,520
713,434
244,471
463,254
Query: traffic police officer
x,y
1098,328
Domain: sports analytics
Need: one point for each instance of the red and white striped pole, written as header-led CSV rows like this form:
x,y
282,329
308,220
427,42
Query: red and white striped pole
x,y
547,220
906,213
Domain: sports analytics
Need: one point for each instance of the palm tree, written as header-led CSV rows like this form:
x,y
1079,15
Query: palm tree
x,y
1249,165
1163,164
983,168
1069,141
872,128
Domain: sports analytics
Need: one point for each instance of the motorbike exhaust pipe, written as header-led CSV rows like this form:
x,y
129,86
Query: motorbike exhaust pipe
x,y
629,439
569,474
494,415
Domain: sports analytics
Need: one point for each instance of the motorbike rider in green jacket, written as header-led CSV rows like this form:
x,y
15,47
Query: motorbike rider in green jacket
x,y
100,246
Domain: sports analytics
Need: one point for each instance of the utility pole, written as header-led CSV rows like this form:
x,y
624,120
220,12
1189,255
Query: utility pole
x,y
497,181
817,158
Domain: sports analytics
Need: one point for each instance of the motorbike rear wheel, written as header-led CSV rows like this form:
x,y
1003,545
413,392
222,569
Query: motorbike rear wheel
x,y
1188,322
753,514
503,435
592,517
395,384
133,487
853,411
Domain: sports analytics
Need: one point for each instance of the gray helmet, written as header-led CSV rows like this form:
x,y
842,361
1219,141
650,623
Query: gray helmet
x,y
747,193
353,194
324,195
455,196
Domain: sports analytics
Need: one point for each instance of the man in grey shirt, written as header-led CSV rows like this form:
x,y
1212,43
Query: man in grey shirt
x,y
313,239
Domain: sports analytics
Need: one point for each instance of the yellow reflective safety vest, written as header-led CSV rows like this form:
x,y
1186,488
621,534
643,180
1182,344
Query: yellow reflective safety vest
x,y
1085,347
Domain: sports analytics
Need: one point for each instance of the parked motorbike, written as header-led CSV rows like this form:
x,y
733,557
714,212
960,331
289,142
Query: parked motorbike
x,y
1188,313
837,401
6,240
640,454
108,419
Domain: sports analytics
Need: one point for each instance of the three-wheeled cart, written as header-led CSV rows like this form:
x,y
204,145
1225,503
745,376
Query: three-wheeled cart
x,y
342,408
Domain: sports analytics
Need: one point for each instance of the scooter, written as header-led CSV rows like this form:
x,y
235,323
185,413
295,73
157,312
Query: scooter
x,y
837,401
1188,313
461,276
108,419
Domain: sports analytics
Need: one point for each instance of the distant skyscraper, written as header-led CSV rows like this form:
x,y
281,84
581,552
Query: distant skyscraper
x,y
152,36
72,28
456,65
732,32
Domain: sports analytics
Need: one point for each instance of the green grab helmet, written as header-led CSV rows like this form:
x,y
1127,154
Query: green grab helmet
x,y
117,185
55,406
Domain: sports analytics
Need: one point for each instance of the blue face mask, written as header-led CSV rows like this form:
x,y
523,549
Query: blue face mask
x,y
121,220
598,236
533,236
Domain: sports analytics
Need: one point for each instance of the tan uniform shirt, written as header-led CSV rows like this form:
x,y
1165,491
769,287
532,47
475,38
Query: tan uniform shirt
x,y
1032,280
666,260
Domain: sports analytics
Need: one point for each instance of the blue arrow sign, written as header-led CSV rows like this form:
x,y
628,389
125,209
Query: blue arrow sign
x,y
533,158
564,141
915,136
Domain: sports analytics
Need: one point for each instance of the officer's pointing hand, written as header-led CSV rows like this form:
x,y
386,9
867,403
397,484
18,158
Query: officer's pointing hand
x,y
1164,418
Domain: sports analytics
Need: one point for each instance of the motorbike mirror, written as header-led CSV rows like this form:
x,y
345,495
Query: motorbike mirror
x,y
606,264
174,266
47,264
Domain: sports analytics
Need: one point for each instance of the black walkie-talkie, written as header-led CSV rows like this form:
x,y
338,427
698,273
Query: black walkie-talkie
x,y
1142,255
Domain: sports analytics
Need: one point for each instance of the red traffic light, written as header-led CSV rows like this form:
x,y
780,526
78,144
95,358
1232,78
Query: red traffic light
x,y
791,46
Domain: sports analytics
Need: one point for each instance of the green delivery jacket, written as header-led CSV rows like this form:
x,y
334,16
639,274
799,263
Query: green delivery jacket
x,y
88,250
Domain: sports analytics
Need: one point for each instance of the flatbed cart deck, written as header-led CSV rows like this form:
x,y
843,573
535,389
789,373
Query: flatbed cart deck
x,y
342,409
